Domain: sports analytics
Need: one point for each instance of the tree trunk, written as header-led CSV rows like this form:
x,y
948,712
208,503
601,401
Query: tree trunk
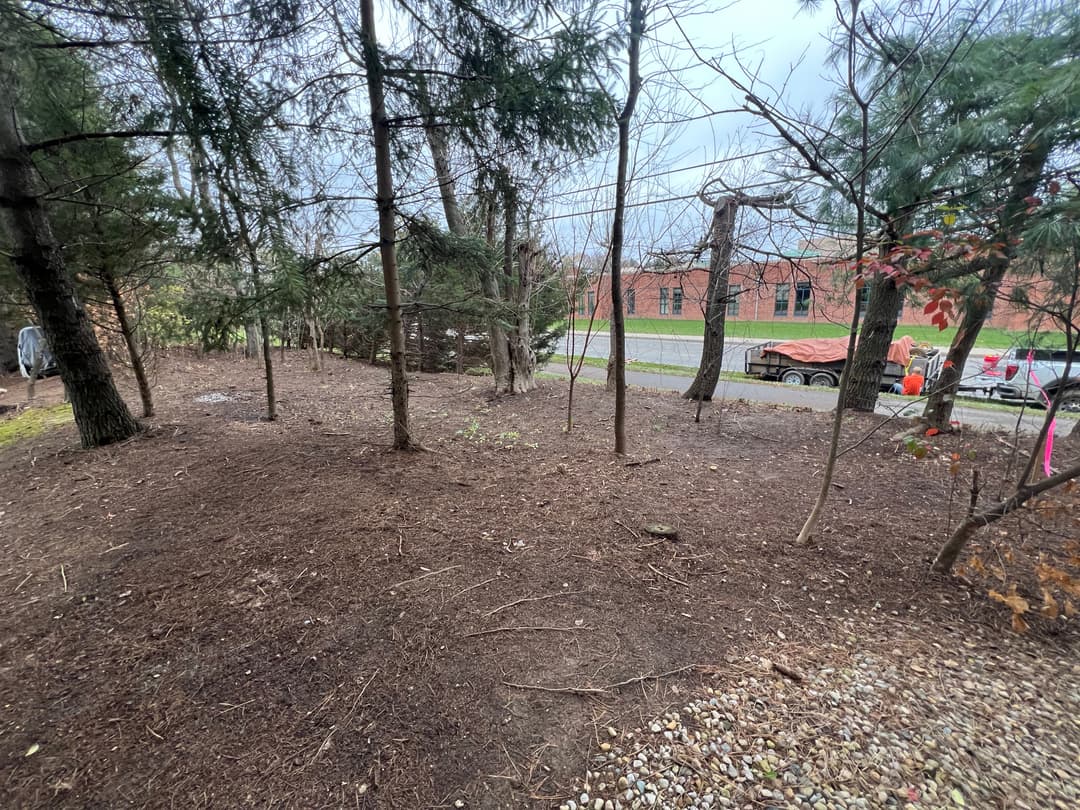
x,y
251,340
440,157
875,337
939,406
128,332
384,200
100,413
313,347
1025,182
522,356
9,354
721,244
637,30
498,344
459,350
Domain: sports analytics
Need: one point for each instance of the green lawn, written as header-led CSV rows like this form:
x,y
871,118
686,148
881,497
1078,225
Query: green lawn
x,y
989,338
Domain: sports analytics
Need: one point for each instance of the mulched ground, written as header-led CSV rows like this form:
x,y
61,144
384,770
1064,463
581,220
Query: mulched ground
x,y
228,612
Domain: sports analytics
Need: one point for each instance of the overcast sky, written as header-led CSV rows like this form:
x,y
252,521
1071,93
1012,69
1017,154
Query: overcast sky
x,y
683,123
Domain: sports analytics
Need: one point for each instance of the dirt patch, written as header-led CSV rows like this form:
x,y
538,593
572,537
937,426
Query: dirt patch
x,y
229,612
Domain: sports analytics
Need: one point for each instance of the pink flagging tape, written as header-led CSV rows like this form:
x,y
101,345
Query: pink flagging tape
x,y
1049,450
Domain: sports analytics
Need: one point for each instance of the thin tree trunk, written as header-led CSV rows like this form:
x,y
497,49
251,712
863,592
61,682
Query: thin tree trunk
x,y
875,337
384,199
101,415
459,350
128,333
637,30
818,508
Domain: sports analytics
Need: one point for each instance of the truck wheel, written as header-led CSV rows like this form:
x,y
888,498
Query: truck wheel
x,y
823,379
1070,401
792,377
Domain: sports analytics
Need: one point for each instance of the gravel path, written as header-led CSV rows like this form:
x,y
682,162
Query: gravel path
x,y
900,723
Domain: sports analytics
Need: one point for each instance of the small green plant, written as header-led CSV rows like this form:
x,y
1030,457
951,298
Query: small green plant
x,y
472,432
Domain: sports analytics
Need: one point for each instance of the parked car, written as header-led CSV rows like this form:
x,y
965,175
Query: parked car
x,y
33,348
1028,370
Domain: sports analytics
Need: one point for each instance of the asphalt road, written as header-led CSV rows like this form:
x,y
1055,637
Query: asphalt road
x,y
677,350
818,399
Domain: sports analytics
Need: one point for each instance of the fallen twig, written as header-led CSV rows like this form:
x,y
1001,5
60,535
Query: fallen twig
x,y
642,463
635,534
525,629
25,579
63,576
473,587
601,690
787,672
529,599
656,570
424,576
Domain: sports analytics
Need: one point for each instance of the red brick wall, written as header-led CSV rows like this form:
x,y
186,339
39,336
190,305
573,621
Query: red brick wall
x,y
829,296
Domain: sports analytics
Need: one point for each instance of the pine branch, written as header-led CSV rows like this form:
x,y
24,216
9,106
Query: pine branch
x,y
97,136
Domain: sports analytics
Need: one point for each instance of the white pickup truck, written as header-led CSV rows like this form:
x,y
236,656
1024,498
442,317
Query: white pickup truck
x,y
1026,370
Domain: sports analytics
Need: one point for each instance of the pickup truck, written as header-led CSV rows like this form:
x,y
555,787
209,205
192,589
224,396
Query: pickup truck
x,y
1026,370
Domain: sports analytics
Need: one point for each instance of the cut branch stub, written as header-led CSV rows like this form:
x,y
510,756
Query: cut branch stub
x,y
662,530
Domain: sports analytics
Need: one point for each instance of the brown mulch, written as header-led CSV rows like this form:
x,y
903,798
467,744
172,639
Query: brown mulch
x,y
229,612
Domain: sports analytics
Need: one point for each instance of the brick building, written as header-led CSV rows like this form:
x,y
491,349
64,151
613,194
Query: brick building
x,y
795,290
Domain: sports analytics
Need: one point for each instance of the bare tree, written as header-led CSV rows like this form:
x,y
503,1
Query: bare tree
x,y
637,31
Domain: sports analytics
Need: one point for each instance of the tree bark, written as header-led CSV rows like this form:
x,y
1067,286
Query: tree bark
x,y
101,415
637,31
522,356
440,157
384,201
1026,179
939,406
499,346
721,245
875,337
9,355
128,333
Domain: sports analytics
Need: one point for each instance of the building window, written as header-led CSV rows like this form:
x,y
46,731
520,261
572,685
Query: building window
x,y
676,301
802,299
783,293
733,293
864,300
581,304
631,302
592,302
663,300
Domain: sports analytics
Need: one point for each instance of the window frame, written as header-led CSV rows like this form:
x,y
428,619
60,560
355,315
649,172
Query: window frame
x,y
784,288
801,309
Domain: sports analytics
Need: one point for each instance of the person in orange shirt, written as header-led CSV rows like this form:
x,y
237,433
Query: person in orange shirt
x,y
912,384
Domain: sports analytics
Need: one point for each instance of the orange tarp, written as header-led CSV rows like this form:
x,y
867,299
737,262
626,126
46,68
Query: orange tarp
x,y
830,350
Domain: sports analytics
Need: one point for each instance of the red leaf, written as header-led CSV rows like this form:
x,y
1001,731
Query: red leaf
x,y
930,307
932,431
948,364
1054,186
